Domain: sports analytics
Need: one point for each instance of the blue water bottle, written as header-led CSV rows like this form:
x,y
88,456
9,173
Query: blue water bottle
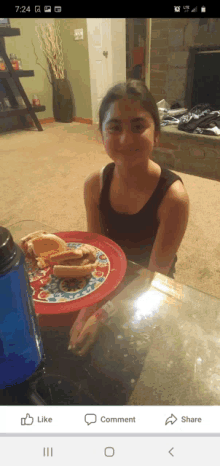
x,y
21,347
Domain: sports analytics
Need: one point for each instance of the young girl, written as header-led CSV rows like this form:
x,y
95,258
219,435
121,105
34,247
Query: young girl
x,y
133,201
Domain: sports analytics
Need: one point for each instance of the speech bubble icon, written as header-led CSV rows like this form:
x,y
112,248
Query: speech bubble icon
x,y
90,418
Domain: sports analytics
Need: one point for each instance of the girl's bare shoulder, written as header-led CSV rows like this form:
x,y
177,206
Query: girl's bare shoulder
x,y
176,196
92,185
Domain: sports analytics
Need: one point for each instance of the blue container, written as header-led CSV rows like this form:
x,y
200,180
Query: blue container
x,y
21,347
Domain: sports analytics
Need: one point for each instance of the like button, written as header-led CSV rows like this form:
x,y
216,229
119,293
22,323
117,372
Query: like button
x,y
27,421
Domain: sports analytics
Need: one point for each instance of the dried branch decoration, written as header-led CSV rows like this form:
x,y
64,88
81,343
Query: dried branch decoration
x,y
51,44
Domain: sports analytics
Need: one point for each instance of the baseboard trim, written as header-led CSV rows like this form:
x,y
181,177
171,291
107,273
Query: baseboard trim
x,y
45,121
83,120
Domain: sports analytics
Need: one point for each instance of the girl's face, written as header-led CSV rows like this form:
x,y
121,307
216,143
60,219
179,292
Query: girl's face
x,y
128,132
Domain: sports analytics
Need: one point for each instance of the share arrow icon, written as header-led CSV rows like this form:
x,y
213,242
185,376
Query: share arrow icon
x,y
171,419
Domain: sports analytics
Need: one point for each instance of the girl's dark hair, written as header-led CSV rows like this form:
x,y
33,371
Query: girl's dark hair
x,y
130,88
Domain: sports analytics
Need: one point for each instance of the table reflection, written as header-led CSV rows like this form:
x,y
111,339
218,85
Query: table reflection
x,y
161,347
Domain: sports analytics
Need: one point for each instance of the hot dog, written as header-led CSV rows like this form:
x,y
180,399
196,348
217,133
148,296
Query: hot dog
x,y
82,261
66,255
71,271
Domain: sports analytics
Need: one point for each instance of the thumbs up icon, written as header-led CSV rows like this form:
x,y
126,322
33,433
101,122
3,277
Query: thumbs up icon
x,y
27,421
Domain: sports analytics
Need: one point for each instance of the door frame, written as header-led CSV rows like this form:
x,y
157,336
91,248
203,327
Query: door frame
x,y
148,51
112,48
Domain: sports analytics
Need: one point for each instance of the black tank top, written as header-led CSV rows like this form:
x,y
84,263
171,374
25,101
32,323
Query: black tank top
x,y
136,233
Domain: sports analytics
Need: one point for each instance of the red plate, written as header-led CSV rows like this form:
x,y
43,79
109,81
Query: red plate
x,y
112,272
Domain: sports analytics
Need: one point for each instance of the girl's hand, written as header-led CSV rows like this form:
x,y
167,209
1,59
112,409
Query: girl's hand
x,y
89,333
79,323
87,337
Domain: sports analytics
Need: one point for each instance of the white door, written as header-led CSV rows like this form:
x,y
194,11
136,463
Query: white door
x,y
107,57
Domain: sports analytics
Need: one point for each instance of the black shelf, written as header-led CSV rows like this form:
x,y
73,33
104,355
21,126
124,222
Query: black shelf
x,y
20,111
18,73
10,73
8,32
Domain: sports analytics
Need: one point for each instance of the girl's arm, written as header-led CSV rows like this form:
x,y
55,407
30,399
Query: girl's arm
x,y
173,223
91,200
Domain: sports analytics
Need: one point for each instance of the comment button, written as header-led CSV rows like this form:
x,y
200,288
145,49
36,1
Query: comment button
x,y
90,419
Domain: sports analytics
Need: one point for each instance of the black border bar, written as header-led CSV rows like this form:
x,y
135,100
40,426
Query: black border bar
x,y
155,10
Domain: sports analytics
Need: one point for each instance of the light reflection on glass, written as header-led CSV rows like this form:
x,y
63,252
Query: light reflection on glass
x,y
215,382
175,289
147,305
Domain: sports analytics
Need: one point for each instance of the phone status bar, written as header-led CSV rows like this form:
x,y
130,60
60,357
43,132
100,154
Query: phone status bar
x,y
63,11
38,9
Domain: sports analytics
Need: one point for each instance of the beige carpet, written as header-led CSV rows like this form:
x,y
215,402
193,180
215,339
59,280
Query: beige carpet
x,y
42,176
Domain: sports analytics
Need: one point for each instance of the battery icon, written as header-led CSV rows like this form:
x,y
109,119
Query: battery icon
x,y
203,9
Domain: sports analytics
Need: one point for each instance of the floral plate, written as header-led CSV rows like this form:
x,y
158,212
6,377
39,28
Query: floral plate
x,y
53,295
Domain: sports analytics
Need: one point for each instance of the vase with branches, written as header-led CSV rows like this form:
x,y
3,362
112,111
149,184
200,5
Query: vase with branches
x,y
51,44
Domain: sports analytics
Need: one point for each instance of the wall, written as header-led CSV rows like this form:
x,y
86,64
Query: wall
x,y
170,43
76,62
